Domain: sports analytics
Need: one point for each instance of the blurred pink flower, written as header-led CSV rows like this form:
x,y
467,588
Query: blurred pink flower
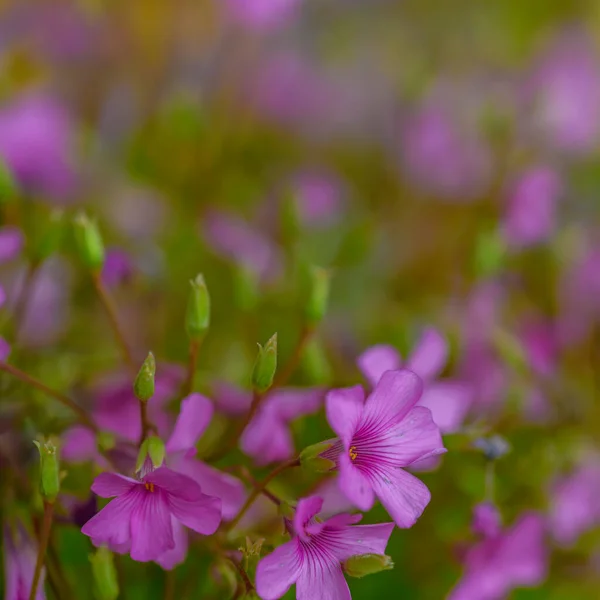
x,y
11,243
118,267
262,14
20,554
319,199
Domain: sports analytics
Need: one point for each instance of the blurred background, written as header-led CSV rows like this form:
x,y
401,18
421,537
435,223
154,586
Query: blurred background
x,y
440,159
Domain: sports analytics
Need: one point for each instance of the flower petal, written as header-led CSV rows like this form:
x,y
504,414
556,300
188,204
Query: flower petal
x,y
306,509
171,558
175,483
403,495
448,402
360,539
151,530
107,485
354,484
278,571
375,361
79,445
429,357
344,408
289,403
194,417
202,515
322,581
394,395
230,399
267,438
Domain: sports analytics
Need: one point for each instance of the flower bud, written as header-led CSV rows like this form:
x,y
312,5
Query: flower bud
x,y
197,315
89,242
493,448
251,552
51,238
286,510
315,364
490,254
245,286
318,295
106,585
8,187
265,365
49,470
312,458
143,387
152,450
106,441
367,564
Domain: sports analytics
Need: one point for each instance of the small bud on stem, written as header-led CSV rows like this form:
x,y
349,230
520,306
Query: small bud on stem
x,y
265,365
367,564
89,242
197,316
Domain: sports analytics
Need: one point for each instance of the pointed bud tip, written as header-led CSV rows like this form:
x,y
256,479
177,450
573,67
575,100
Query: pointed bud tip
x,y
89,241
197,316
143,386
265,365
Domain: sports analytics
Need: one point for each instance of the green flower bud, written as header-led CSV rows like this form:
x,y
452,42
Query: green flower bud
x,y
51,239
143,387
8,186
245,285
251,552
49,470
106,441
490,254
315,364
318,295
265,365
89,242
197,315
311,458
106,585
154,449
367,564
286,510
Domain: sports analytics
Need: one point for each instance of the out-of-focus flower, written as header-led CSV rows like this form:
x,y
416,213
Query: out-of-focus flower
x,y
448,400
148,516
267,438
11,243
19,564
532,205
486,520
565,90
262,14
574,503
503,559
312,559
318,198
118,268
378,437
35,141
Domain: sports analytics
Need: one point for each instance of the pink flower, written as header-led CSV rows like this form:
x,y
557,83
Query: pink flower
x,y
262,14
267,438
504,559
379,437
318,198
118,268
448,400
312,559
11,243
19,564
147,517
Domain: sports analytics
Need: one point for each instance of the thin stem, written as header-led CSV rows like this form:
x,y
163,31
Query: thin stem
x,y
490,480
65,400
111,311
282,377
242,572
147,425
245,475
43,544
259,488
193,360
169,585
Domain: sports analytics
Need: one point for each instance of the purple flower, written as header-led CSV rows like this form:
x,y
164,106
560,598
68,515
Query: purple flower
x,y
448,400
318,199
312,559
118,267
531,213
35,142
574,503
504,559
11,243
19,564
267,438
379,437
262,14
147,516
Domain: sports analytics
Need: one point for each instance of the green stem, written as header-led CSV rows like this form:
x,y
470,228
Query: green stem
x,y
282,377
43,544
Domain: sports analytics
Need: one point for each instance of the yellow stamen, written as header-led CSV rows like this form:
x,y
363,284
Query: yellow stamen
x,y
150,486
353,453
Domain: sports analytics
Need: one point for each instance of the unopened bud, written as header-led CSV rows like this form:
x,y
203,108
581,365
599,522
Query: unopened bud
x,y
265,365
286,510
51,238
318,295
490,254
49,470
8,187
245,285
312,459
106,441
251,552
89,242
367,564
152,449
197,315
315,363
143,387
106,586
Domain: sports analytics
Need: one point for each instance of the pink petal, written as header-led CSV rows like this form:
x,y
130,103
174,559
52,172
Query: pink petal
x,y
334,500
175,483
430,355
354,484
361,539
4,349
449,402
414,438
344,408
402,495
215,483
322,581
231,399
307,508
194,416
278,571
151,530
267,439
393,397
171,558
289,403
202,515
79,445
107,485
375,361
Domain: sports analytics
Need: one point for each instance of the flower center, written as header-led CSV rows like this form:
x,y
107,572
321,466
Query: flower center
x,y
353,453
150,486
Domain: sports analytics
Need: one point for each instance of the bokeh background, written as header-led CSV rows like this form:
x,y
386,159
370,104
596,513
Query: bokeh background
x,y
439,158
